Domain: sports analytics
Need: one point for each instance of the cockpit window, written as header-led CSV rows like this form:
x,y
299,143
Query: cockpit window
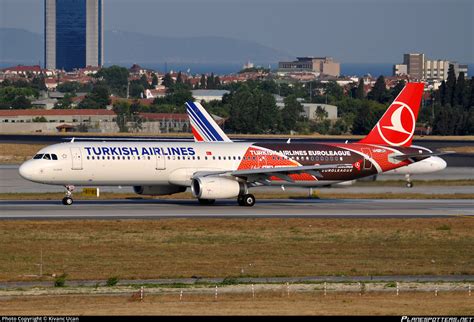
x,y
45,156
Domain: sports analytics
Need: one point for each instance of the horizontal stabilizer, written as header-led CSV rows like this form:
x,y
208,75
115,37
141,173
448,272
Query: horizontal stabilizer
x,y
420,155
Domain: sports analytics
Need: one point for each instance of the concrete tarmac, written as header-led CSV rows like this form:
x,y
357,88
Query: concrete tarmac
x,y
10,181
286,208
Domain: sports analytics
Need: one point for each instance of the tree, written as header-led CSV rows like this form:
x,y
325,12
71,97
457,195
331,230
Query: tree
x,y
116,78
64,103
471,96
397,89
321,113
460,91
21,102
98,98
122,109
154,80
127,115
210,82
367,115
379,92
360,92
38,83
334,90
168,80
202,82
217,82
136,89
40,119
13,97
450,86
291,113
179,78
442,93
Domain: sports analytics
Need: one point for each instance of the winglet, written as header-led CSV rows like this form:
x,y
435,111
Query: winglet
x,y
203,126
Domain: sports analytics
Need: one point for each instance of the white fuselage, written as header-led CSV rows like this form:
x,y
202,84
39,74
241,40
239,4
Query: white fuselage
x,y
131,163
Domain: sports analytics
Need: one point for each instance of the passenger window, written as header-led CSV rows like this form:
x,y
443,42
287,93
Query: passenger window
x,y
38,156
54,156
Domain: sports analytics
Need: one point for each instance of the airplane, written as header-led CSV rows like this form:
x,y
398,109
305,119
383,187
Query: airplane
x,y
221,170
209,131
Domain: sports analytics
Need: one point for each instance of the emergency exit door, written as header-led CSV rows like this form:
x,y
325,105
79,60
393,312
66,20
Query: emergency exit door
x,y
367,153
160,162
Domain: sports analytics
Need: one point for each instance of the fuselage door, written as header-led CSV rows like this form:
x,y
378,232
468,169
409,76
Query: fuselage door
x,y
160,162
367,163
76,159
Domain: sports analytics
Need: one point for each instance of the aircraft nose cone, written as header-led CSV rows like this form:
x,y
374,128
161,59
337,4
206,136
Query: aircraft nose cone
x,y
27,170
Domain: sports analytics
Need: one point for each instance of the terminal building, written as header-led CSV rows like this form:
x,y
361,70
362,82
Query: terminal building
x,y
85,120
74,35
319,65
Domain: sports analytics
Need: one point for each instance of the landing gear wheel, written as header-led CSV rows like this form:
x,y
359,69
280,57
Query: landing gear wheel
x,y
67,201
409,184
240,200
206,201
248,200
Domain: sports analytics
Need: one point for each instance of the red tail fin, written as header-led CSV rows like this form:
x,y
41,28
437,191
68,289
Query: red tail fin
x,y
397,126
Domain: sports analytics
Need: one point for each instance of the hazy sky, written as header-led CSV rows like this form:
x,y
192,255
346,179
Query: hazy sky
x,y
350,31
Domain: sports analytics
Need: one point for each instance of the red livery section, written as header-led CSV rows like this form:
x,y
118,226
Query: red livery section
x,y
397,125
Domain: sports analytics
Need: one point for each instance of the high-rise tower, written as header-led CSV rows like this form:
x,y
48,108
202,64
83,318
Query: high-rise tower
x,y
73,34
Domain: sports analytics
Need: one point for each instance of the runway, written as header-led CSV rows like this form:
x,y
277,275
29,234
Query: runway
x,y
10,181
285,208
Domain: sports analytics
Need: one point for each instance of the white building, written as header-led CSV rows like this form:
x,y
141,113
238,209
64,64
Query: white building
x,y
208,95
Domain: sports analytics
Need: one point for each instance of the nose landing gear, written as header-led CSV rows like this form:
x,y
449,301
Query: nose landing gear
x,y
67,200
409,184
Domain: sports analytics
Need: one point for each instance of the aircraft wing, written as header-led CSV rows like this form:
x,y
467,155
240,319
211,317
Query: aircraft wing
x,y
262,175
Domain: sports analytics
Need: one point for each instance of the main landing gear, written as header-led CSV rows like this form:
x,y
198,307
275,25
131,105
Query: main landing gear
x,y
67,200
247,200
409,183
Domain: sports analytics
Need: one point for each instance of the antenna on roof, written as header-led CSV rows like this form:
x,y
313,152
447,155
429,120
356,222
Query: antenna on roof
x,y
72,140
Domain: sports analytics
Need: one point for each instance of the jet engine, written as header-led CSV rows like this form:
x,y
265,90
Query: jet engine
x,y
158,190
217,188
